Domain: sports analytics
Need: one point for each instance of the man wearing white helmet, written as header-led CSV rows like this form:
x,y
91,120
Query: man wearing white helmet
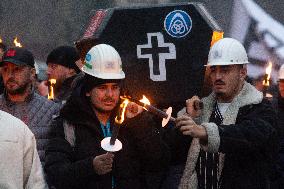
x,y
234,136
74,157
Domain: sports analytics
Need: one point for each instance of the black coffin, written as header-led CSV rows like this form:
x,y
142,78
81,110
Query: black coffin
x,y
163,48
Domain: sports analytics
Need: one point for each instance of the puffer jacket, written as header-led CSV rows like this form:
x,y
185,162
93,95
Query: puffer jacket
x,y
138,165
37,113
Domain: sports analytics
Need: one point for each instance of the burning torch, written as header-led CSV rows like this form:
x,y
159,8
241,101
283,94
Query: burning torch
x,y
112,144
17,44
51,84
165,115
266,79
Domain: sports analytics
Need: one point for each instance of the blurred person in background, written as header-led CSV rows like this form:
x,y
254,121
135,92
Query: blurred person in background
x,y
3,48
21,100
40,82
62,67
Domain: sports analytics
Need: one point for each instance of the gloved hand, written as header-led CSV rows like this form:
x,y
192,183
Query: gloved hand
x,y
103,163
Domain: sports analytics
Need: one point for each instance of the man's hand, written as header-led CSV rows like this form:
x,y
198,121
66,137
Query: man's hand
x,y
103,163
188,127
133,110
190,109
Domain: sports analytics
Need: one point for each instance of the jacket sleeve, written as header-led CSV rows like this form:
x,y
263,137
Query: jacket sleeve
x,y
33,172
255,130
61,168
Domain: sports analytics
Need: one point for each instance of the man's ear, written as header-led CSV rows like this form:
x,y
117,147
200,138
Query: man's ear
x,y
33,73
71,72
243,72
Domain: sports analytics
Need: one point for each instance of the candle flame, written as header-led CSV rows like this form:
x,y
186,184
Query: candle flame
x,y
51,84
121,115
17,44
1,41
267,74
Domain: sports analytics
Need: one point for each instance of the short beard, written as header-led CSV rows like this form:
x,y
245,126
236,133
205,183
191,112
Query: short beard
x,y
21,90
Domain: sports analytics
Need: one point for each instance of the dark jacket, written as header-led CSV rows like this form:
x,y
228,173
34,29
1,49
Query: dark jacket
x,y
65,90
72,168
37,113
247,142
278,104
251,148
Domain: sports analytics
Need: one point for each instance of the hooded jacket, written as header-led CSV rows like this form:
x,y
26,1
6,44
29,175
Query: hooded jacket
x,y
69,164
36,112
247,142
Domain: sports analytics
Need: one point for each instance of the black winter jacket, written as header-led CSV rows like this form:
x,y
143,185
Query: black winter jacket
x,y
139,164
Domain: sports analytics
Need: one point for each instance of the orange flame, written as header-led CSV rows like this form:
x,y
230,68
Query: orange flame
x,y
145,101
121,115
1,41
216,36
51,84
267,74
17,44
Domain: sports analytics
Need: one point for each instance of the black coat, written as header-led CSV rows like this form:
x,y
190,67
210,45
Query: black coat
x,y
140,163
279,107
251,147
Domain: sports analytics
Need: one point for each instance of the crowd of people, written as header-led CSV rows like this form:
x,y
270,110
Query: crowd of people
x,y
234,142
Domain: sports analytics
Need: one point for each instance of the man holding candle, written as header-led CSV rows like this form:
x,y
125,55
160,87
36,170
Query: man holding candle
x,y
235,136
75,158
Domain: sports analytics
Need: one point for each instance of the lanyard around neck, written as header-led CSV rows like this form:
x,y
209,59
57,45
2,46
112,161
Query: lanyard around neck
x,y
106,129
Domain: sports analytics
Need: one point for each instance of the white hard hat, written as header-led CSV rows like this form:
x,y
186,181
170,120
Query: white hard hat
x,y
103,61
227,51
281,72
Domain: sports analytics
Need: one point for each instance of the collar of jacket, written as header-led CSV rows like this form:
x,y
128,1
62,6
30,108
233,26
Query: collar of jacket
x,y
248,95
65,87
78,111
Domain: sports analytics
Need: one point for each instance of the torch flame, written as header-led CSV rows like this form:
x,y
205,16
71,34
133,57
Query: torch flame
x,y
267,74
17,44
1,41
120,118
51,84
145,101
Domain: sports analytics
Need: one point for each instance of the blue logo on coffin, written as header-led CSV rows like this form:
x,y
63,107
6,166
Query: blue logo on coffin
x,y
178,23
